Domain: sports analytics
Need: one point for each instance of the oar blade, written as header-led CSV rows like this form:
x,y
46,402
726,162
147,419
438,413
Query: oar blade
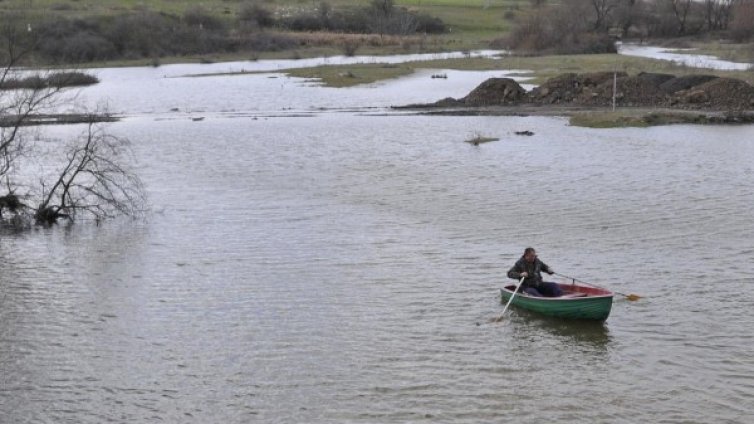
x,y
633,297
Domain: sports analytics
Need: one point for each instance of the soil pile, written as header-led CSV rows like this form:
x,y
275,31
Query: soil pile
x,y
718,94
567,88
495,91
685,82
629,91
693,92
653,90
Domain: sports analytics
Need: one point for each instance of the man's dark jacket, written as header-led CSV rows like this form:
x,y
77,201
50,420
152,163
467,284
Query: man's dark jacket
x,y
534,269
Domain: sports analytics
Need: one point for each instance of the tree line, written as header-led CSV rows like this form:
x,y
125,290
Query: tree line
x,y
587,26
254,27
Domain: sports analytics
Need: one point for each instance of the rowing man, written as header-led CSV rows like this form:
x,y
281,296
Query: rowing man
x,y
529,268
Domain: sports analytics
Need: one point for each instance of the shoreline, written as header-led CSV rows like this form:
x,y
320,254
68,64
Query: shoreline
x,y
597,117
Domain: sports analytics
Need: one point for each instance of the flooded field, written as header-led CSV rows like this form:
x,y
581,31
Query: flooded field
x,y
684,57
313,257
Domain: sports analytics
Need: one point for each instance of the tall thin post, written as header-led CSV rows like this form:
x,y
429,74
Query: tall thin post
x,y
615,87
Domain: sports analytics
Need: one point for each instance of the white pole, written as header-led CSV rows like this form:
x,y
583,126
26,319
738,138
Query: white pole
x,y
500,318
615,86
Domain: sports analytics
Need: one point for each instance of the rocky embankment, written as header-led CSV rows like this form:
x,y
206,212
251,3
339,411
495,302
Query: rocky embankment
x,y
592,90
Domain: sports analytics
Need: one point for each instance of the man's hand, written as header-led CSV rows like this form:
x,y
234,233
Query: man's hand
x,y
550,271
524,274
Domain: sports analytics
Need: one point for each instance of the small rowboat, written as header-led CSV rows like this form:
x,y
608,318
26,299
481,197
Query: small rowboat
x,y
578,302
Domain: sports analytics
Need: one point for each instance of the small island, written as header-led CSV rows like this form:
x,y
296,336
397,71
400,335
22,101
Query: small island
x,y
611,99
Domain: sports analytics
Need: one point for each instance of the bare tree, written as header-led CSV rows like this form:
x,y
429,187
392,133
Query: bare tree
x,y
17,106
717,13
95,180
681,9
742,25
383,13
603,10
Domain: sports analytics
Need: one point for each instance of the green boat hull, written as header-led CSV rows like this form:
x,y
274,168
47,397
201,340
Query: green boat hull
x,y
594,307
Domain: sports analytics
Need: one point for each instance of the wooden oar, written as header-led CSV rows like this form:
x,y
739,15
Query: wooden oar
x,y
631,297
500,318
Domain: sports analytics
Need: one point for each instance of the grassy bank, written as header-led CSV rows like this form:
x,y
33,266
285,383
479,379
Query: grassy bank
x,y
335,76
641,118
538,68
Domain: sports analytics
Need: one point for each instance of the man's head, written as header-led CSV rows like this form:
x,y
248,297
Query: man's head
x,y
530,254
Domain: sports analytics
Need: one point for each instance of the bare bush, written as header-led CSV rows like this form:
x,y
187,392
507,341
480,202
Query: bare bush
x,y
742,25
59,80
95,180
198,16
253,13
96,177
564,29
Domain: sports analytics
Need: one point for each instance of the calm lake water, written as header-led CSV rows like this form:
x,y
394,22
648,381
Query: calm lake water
x,y
311,257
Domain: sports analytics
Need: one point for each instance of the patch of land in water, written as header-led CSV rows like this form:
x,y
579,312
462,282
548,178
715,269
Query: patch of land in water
x,y
644,99
537,68
594,117
9,121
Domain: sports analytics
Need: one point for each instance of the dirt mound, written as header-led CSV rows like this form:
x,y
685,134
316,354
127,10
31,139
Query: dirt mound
x,y
692,92
684,83
629,91
566,88
719,93
496,91
655,78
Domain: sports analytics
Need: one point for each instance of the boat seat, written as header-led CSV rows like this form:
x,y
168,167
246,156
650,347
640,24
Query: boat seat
x,y
574,294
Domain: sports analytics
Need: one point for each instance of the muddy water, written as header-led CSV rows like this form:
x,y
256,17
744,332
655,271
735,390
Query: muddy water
x,y
342,266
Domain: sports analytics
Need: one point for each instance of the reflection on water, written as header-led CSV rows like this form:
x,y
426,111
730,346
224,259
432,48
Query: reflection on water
x,y
333,269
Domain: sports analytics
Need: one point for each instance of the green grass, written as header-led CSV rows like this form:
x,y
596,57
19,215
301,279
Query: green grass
x,y
542,68
538,68
640,118
348,76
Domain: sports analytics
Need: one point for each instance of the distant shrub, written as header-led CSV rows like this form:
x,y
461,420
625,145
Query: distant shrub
x,y
200,17
555,32
71,79
350,47
306,21
61,79
144,34
365,21
269,42
742,26
429,24
351,21
253,12
73,41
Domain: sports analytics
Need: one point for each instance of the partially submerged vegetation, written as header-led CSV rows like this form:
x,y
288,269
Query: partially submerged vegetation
x,y
347,76
646,118
478,139
56,80
89,176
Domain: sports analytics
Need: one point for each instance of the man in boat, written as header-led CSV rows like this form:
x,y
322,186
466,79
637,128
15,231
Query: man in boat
x,y
529,267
